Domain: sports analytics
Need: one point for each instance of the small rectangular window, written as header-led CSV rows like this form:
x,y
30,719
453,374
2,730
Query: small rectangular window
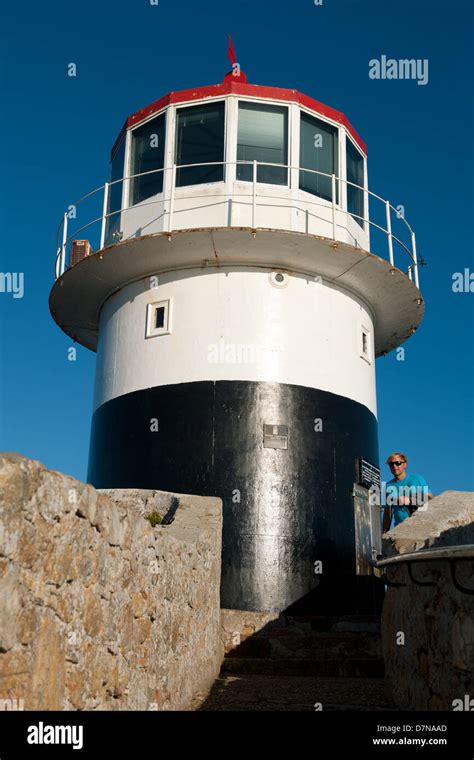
x,y
355,174
148,152
158,319
319,152
200,140
263,137
365,344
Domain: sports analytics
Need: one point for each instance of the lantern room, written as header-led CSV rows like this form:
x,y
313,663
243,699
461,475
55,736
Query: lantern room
x,y
225,144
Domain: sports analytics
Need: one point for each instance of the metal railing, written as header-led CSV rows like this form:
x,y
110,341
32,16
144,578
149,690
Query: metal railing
x,y
258,190
450,554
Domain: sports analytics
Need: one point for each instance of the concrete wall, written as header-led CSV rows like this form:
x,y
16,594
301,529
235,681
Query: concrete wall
x,y
435,664
98,610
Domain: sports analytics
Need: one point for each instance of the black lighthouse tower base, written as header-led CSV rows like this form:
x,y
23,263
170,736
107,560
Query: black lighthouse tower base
x,y
284,509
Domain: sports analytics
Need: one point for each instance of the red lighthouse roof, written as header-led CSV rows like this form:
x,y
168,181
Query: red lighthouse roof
x,y
235,85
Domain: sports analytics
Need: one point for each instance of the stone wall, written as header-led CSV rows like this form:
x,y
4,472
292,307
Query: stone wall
x,y
238,625
98,609
435,664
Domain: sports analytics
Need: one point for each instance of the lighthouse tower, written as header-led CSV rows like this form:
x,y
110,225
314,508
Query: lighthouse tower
x,y
237,280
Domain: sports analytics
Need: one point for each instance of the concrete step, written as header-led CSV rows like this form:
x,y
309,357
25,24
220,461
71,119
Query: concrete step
x,y
341,623
289,693
287,643
340,668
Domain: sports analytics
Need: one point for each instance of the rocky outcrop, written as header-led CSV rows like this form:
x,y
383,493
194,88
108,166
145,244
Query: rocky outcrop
x,y
446,520
428,631
98,609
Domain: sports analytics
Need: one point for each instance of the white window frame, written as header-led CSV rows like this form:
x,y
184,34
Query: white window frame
x,y
192,104
366,356
365,203
289,122
151,331
125,139
128,159
340,132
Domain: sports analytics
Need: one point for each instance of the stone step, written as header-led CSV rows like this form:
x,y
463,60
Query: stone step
x,y
283,626
285,644
339,668
239,625
285,693
341,623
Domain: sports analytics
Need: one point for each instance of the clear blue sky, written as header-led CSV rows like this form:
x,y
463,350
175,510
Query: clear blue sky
x,y
57,132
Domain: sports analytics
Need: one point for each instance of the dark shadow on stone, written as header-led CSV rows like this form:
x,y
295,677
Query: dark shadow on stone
x,y
170,515
346,595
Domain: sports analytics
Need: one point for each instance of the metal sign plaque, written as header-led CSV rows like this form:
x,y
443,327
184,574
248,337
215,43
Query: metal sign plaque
x,y
360,492
368,474
275,436
368,532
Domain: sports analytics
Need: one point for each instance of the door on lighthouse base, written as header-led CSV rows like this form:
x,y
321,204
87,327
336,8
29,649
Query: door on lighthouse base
x,y
368,530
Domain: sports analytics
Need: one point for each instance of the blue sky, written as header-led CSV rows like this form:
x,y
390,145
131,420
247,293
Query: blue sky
x,y
57,132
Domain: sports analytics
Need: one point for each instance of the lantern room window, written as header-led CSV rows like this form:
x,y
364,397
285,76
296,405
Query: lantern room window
x,y
319,152
355,174
200,140
148,151
263,137
115,192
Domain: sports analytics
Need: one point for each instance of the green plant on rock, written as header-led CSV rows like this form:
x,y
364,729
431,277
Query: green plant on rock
x,y
154,518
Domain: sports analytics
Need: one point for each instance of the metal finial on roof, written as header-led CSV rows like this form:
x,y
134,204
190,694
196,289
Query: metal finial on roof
x,y
236,73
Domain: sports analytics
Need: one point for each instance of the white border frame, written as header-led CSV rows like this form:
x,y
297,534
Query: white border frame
x,y
340,131
289,123
368,356
365,204
154,332
128,159
173,146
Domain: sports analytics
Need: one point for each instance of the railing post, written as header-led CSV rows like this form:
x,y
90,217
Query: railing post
x,y
389,232
333,194
173,184
63,247
254,192
367,213
104,215
57,263
410,274
415,259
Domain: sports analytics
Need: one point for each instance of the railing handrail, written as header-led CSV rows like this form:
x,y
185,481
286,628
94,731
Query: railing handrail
x,y
433,553
245,195
234,163
335,180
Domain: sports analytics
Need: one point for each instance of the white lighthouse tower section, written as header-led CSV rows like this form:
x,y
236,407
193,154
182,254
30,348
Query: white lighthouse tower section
x,y
236,324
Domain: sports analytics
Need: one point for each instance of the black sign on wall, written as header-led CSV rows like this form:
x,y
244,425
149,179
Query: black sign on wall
x,y
367,474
